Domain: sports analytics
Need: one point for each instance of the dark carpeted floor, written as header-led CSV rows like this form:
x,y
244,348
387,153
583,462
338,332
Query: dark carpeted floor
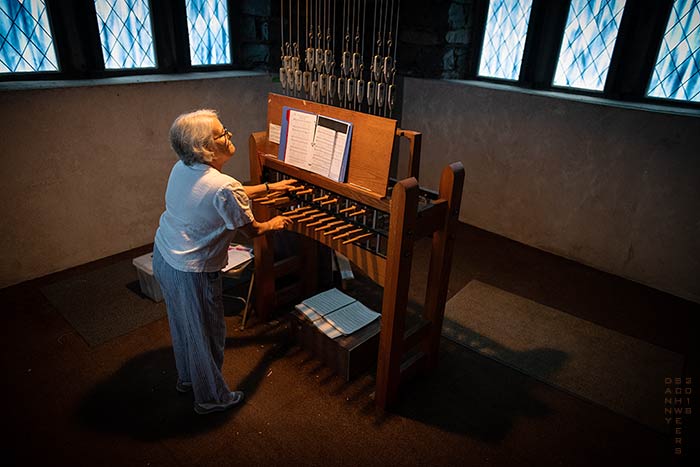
x,y
115,404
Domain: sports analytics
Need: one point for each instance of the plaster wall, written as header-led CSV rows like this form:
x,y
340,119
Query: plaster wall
x,y
615,188
84,169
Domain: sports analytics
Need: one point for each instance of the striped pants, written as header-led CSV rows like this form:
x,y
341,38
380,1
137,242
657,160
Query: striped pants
x,y
196,317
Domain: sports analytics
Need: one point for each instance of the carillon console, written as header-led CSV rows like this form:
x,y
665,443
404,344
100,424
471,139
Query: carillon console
x,y
370,221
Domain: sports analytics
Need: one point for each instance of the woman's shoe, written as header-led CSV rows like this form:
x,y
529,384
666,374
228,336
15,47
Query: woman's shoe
x,y
205,408
183,386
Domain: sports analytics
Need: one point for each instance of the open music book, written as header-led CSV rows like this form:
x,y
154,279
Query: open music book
x,y
315,143
335,313
238,255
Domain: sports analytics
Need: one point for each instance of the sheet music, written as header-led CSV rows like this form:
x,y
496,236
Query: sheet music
x,y
275,132
336,313
327,328
324,151
328,301
237,256
335,171
300,136
308,312
351,317
316,143
318,321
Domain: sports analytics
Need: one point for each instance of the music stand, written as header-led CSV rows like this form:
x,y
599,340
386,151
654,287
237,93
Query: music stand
x,y
239,275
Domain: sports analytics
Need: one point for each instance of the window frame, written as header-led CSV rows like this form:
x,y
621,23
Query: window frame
x,y
483,19
78,45
653,55
641,31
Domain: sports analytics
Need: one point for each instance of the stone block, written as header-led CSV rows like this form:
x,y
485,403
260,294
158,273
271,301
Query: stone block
x,y
419,37
255,53
458,36
448,60
248,28
255,8
456,16
263,30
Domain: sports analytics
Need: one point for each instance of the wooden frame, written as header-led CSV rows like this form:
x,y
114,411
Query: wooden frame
x,y
402,352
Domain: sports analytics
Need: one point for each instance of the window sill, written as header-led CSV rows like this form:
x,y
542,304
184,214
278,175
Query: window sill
x,y
121,80
645,106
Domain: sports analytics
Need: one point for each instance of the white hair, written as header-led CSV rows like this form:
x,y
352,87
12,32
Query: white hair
x,y
191,137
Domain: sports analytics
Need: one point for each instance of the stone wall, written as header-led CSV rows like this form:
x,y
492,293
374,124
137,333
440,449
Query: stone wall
x,y
434,37
254,18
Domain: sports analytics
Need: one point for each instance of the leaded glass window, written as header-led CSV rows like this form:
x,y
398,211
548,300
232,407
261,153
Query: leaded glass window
x,y
589,39
126,33
26,44
504,38
207,21
677,71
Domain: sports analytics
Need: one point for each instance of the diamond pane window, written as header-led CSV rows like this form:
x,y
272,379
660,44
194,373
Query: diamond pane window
x,y
589,39
207,21
125,32
677,71
504,38
26,44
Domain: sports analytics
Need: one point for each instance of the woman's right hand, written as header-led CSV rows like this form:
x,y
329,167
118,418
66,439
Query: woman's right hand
x,y
282,185
280,222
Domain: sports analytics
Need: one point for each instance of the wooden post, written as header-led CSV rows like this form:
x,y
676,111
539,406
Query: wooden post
x,y
414,142
264,286
451,183
404,205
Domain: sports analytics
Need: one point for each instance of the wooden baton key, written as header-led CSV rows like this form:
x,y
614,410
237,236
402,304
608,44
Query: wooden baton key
x,y
298,210
359,237
303,214
312,217
329,226
346,234
320,221
276,200
339,229
356,213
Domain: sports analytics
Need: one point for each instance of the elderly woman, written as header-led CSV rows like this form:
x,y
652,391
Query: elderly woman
x,y
203,209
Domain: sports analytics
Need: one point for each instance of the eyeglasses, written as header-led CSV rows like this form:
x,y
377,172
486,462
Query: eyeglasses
x,y
226,133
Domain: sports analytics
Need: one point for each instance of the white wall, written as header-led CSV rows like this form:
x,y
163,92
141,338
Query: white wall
x,y
615,188
84,168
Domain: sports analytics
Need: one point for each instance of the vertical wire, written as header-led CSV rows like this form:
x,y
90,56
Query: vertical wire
x,y
282,27
374,26
364,17
290,23
396,39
